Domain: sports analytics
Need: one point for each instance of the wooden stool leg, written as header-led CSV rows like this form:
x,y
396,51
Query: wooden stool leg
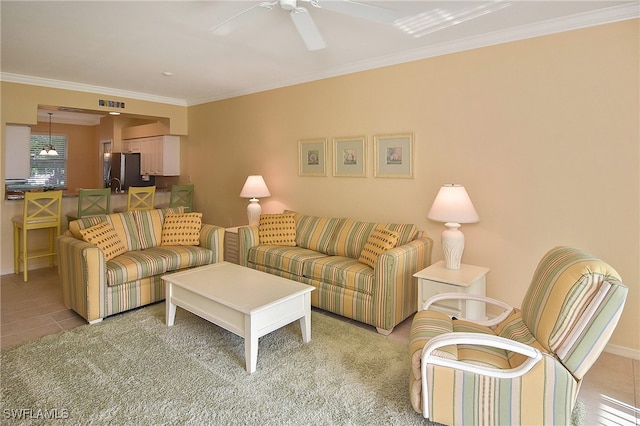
x,y
25,255
16,249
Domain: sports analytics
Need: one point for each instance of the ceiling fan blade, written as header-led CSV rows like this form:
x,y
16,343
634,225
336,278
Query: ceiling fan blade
x,y
359,10
307,29
226,26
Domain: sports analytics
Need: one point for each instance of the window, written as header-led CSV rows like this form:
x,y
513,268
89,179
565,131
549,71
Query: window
x,y
48,170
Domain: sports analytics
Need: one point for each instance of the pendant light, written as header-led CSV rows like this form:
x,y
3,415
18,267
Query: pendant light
x,y
49,150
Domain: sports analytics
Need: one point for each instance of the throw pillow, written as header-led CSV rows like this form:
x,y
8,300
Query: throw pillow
x,y
104,236
379,241
277,229
181,229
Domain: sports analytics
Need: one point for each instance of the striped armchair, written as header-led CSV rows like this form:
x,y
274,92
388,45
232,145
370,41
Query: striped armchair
x,y
526,365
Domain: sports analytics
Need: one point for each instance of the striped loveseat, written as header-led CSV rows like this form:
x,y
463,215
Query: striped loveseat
x,y
525,366
97,283
334,255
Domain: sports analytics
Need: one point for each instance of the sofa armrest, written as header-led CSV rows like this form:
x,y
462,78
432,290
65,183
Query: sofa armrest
x,y
247,238
83,277
396,292
212,237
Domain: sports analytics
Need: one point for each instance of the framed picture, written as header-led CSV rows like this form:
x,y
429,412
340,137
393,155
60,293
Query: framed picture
x,y
312,157
349,156
393,156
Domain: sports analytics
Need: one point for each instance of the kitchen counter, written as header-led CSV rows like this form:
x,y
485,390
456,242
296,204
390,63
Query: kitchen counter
x,y
18,195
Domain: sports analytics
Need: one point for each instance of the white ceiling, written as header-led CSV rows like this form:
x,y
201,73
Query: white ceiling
x,y
122,48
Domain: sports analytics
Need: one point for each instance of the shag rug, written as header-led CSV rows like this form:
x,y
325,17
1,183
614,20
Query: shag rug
x,y
132,369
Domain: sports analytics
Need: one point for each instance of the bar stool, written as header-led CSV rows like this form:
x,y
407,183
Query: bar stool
x,y
141,197
42,210
92,202
182,195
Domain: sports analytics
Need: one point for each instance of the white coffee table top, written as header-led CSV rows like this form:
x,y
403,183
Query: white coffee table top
x,y
238,287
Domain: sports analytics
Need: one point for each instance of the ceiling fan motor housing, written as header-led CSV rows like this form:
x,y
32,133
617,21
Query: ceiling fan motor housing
x,y
288,4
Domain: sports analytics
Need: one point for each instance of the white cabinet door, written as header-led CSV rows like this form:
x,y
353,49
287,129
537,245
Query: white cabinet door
x,y
171,156
17,157
159,155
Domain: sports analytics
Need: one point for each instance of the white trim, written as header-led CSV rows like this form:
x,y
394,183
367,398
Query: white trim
x,y
623,351
80,87
583,20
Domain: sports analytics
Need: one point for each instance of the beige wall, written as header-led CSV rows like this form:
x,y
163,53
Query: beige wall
x,y
542,132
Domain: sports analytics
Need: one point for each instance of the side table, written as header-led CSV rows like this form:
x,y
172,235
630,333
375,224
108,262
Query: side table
x,y
469,279
231,253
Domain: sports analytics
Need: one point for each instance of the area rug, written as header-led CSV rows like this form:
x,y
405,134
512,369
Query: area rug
x,y
132,369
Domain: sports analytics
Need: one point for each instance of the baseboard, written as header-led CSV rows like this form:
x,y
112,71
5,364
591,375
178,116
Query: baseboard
x,y
623,351
33,264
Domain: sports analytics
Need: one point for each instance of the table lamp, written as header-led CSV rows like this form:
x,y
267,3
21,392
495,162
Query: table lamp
x,y
254,188
453,206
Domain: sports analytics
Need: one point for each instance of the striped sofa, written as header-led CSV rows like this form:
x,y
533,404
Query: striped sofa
x,y
96,288
326,253
525,366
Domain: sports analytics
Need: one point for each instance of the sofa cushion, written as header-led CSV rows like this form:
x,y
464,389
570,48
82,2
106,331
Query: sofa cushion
x,y
104,237
180,257
124,224
277,229
315,233
380,240
406,231
341,271
350,237
149,224
181,229
282,258
134,265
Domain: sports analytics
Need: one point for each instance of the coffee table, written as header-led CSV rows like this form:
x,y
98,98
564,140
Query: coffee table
x,y
244,301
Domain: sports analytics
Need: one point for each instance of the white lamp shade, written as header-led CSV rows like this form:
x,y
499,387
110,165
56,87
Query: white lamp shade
x,y
452,204
255,187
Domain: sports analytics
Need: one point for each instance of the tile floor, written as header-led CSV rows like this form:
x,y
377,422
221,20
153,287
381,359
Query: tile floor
x,y
611,389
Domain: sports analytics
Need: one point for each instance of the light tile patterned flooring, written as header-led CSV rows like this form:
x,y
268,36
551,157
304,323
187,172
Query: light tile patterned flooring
x,y
611,389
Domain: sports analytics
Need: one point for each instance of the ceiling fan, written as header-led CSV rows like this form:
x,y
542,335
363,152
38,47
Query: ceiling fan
x,y
303,21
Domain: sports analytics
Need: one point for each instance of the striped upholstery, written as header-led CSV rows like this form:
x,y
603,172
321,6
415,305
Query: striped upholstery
x,y
149,224
95,288
124,224
315,233
568,313
282,258
349,239
326,257
341,272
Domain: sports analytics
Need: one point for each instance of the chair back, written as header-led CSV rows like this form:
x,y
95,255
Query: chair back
x,y
94,201
42,210
182,195
573,305
141,198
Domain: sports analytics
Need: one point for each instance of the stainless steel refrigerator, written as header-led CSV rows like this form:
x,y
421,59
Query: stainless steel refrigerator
x,y
124,171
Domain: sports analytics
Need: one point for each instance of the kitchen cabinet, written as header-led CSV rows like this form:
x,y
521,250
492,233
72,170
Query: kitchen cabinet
x,y
131,146
159,155
17,156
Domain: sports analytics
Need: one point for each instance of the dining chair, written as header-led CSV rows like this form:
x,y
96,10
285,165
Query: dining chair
x,y
141,198
182,195
42,210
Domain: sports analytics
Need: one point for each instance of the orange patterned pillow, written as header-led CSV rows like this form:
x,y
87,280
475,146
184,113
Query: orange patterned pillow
x,y
277,229
181,229
379,241
104,236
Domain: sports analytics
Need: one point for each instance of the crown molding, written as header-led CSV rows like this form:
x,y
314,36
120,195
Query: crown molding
x,y
80,87
588,19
